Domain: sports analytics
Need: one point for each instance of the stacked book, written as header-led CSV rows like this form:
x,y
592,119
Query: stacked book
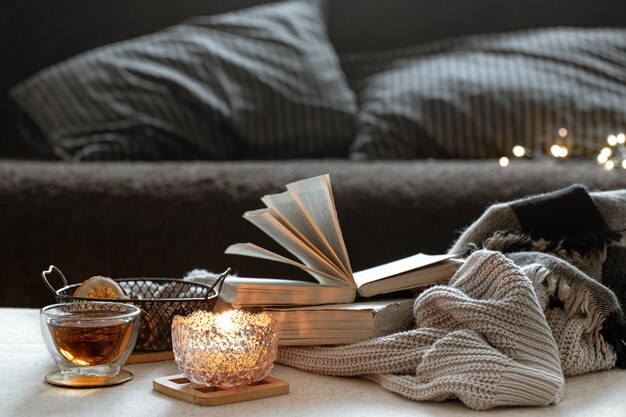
x,y
342,323
304,221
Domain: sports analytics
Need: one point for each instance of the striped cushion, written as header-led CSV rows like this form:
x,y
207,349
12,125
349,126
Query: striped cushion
x,y
478,96
258,83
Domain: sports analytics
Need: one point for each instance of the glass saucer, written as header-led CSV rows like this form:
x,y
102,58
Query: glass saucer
x,y
64,379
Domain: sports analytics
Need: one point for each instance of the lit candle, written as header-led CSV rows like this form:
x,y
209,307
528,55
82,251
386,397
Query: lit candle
x,y
229,349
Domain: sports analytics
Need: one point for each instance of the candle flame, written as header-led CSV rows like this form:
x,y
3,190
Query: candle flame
x,y
225,321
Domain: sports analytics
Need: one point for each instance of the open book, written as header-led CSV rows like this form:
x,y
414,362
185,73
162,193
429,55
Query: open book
x,y
304,221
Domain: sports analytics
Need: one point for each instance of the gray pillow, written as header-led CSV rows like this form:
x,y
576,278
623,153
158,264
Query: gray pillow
x,y
258,83
478,96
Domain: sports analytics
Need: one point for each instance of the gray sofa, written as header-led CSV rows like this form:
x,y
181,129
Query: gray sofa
x,y
166,218
163,219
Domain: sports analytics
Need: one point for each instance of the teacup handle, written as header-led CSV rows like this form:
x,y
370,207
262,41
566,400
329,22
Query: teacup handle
x,y
53,270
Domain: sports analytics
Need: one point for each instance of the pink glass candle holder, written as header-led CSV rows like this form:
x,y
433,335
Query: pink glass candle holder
x,y
227,350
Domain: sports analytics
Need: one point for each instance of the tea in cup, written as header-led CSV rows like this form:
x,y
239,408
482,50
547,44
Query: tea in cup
x,y
90,341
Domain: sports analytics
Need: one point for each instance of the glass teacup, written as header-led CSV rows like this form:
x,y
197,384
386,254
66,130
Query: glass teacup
x,y
90,341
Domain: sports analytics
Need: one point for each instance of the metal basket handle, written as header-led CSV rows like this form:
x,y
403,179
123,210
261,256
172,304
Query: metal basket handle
x,y
53,270
219,281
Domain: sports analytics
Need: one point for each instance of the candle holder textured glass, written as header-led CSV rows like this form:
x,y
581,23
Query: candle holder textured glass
x,y
230,349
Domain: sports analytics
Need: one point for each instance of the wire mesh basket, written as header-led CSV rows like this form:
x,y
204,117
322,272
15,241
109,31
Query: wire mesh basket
x,y
160,299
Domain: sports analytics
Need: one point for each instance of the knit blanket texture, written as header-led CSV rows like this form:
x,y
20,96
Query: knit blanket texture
x,y
538,298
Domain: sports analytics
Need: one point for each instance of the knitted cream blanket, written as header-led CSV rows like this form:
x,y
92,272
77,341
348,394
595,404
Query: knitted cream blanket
x,y
484,339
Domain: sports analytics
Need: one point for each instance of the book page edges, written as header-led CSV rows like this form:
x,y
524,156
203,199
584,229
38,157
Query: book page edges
x,y
376,306
262,295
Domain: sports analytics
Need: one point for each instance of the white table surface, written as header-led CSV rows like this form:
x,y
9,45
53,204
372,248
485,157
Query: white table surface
x,y
25,361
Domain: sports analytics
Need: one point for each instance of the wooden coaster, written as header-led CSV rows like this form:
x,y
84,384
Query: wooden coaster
x,y
179,387
167,355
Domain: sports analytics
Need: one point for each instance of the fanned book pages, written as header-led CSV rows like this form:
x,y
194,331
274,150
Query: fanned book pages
x,y
304,221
